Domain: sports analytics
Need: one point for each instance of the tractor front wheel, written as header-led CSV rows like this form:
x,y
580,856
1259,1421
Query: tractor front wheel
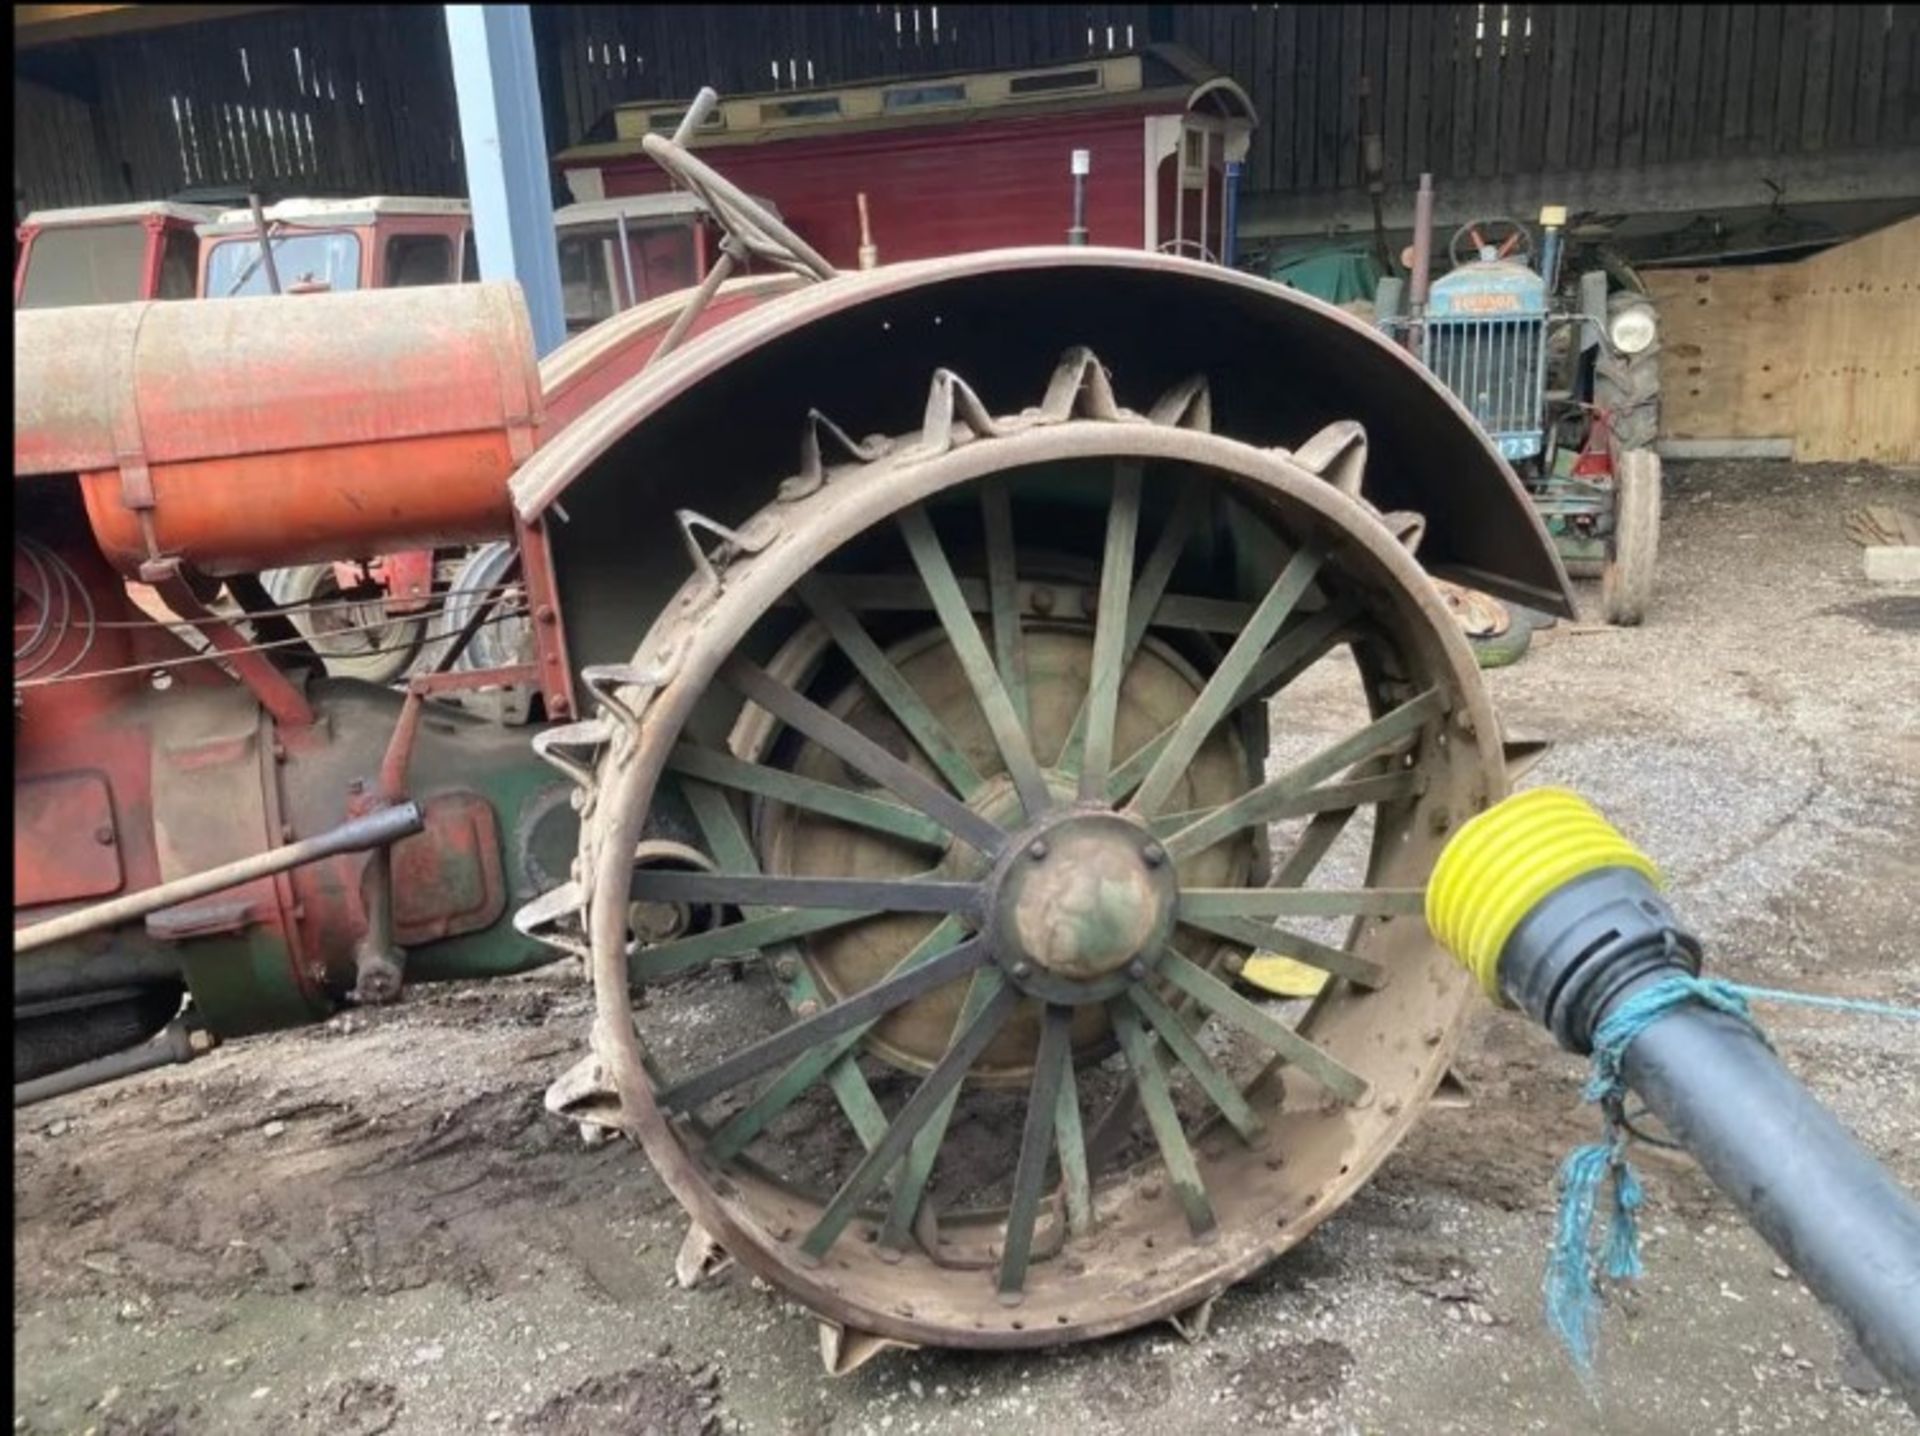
x,y
1626,588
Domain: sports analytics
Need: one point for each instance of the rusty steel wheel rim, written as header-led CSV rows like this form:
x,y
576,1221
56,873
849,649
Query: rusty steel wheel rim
x,y
1055,1257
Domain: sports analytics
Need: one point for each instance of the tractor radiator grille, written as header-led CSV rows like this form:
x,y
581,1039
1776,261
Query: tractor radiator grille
x,y
1495,367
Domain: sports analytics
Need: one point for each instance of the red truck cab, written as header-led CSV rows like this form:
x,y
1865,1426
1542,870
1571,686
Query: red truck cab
x,y
107,254
374,242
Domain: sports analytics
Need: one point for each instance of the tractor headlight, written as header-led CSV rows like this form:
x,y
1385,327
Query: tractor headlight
x,y
1631,331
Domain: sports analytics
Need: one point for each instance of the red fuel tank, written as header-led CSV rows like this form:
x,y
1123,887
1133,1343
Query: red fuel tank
x,y
199,431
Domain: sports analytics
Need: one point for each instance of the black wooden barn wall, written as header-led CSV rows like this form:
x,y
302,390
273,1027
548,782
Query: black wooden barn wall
x,y
358,99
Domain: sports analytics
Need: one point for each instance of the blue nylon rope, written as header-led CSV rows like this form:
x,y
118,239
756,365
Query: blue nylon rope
x,y
1573,1302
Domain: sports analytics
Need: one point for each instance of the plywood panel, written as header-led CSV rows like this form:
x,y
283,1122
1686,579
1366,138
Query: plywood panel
x,y
1727,348
1859,385
1823,351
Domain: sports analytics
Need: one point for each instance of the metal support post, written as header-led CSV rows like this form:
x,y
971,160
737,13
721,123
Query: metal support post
x,y
505,146
1081,165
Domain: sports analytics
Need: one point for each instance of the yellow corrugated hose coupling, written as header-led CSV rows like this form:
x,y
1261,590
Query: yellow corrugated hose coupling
x,y
1504,862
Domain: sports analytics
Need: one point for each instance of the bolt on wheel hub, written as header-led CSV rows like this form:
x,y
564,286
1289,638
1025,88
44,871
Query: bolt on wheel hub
x,y
1084,898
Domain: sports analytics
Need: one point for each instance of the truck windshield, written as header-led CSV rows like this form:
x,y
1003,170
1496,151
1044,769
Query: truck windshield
x,y
331,258
593,277
85,264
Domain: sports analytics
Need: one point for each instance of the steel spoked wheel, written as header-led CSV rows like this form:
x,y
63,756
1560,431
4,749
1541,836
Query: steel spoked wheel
x,y
987,736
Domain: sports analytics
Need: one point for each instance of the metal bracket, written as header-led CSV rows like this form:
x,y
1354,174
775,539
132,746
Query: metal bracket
x,y
1407,528
604,682
276,692
813,470
754,537
1194,1323
1079,388
542,920
845,1349
1338,454
584,1094
947,396
1187,405
700,1259
557,747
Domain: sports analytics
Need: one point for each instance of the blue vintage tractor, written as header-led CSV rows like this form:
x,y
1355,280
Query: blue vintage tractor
x,y
1564,382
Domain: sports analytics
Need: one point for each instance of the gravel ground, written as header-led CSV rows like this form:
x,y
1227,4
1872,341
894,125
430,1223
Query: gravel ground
x,y
373,1226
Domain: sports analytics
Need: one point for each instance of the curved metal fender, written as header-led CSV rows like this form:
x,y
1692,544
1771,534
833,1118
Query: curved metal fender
x,y
715,425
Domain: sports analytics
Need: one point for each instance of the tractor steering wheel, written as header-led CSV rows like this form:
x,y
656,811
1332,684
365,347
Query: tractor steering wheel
x,y
749,223
1503,236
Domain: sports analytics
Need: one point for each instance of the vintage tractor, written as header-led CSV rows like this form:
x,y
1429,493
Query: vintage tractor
x,y
1563,378
948,675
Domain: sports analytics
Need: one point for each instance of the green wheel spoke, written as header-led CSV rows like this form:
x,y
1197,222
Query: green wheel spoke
x,y
890,686
1198,903
912,894
964,634
1297,649
1258,804
863,1007
737,940
862,754
1110,631
787,1088
800,1074
1223,687
1071,1140
924,1151
826,799
1341,797
1229,1006
927,1098
1186,1048
1003,594
1262,937
1149,588
729,845
1157,1099
1036,1144
1176,749
1311,846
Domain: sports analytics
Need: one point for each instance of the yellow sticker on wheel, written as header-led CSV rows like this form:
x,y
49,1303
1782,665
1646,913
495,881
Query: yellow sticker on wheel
x,y
1283,976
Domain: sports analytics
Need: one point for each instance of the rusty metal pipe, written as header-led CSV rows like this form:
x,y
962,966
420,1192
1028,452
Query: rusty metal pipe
x,y
266,248
696,114
716,277
388,825
1419,281
177,1042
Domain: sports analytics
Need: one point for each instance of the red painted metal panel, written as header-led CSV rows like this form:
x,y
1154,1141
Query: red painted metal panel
x,y
938,190
65,844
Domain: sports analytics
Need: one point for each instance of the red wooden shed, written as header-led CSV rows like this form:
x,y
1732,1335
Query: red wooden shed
x,y
962,162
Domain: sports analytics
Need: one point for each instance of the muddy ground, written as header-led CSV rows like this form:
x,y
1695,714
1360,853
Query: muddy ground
x,y
374,1227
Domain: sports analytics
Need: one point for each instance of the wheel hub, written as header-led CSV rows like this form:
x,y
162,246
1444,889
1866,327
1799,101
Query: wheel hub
x,y
1084,897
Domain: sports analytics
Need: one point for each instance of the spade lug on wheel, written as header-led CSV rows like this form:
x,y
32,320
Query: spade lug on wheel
x,y
700,1258
1194,1323
845,1349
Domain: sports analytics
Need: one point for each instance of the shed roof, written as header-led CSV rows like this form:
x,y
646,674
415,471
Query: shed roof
x,y
1166,75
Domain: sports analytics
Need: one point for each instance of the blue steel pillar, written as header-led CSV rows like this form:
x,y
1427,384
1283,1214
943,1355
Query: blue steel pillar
x,y
506,153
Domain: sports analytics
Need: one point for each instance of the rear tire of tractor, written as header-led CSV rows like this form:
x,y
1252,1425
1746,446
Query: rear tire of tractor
x,y
1626,589
334,632
1627,386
